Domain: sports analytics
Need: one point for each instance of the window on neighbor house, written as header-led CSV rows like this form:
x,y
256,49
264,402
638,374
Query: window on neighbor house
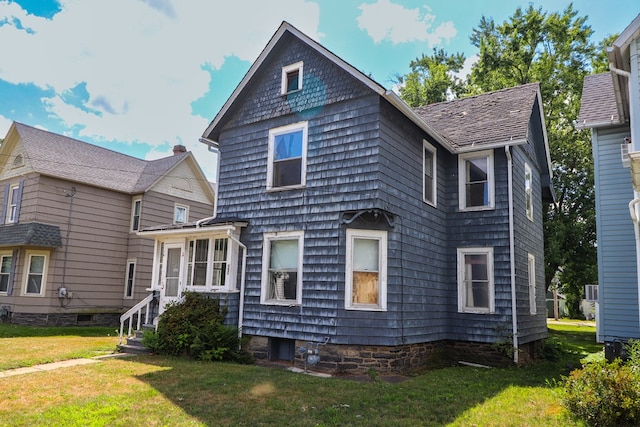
x,y
35,273
13,202
282,268
475,280
429,173
180,214
366,270
291,78
528,191
531,270
5,271
475,180
287,156
130,279
591,293
136,209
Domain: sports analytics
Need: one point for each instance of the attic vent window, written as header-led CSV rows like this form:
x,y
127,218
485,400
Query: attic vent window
x,y
18,161
291,78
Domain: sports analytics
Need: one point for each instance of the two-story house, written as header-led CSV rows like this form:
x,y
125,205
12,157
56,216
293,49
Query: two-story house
x,y
610,108
379,234
69,214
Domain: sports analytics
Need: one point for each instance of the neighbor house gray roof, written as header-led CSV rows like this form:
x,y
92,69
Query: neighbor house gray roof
x,y
30,234
60,156
493,118
598,106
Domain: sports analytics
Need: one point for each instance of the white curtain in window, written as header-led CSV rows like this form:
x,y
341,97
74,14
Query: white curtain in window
x,y
284,254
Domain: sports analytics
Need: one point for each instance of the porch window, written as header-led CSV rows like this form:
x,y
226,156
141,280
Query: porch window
x,y
197,262
207,268
531,273
476,181
287,156
366,270
130,279
220,261
160,258
5,272
475,280
35,273
282,268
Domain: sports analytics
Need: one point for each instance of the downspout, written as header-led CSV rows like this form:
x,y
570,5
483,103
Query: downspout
x,y
514,308
242,275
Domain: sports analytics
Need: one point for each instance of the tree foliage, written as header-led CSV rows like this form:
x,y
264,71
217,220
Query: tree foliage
x,y
432,78
555,50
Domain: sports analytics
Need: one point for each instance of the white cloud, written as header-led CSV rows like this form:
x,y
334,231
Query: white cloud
x,y
5,123
142,62
466,67
385,20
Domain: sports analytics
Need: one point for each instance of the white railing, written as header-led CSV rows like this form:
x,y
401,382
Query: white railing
x,y
136,311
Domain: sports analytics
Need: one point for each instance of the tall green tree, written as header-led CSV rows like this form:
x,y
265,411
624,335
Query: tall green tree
x,y
555,50
432,78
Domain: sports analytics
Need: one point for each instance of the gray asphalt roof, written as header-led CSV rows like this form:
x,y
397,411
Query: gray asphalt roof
x,y
489,118
30,234
598,105
60,156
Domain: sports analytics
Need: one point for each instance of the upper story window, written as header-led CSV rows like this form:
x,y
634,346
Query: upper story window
x,y
6,260
180,214
35,273
366,270
282,268
13,203
291,78
429,171
136,209
475,280
476,180
528,191
287,156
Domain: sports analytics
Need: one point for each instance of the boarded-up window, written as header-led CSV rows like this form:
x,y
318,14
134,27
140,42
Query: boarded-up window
x,y
475,280
365,282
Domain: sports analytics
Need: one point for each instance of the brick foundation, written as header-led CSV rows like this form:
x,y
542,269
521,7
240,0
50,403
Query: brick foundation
x,y
359,359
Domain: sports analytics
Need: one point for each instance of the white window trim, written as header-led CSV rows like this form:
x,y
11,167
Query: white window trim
x,y
12,204
303,167
531,274
528,192
133,213
462,158
286,70
126,279
462,308
229,276
27,257
381,236
428,147
186,213
2,255
266,257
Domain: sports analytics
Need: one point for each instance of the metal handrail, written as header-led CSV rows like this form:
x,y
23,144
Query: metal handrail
x,y
136,310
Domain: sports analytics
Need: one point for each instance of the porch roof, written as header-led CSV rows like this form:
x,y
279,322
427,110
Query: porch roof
x,y
30,234
203,225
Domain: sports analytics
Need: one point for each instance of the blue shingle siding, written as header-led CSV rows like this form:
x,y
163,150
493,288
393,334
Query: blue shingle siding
x,y
617,276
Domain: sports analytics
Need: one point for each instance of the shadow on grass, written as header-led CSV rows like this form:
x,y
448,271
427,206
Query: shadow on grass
x,y
231,394
14,331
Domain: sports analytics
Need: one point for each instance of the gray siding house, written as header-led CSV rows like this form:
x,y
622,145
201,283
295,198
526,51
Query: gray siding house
x,y
378,234
611,110
69,214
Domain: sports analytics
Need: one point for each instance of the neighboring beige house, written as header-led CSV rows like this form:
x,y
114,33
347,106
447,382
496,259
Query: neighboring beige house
x,y
69,217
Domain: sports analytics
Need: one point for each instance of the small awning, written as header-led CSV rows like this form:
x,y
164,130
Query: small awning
x,y
30,234
206,225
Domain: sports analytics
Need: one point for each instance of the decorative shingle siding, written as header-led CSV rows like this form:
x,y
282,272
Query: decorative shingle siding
x,y
617,275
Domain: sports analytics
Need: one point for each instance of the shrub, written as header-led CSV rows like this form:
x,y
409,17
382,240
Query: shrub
x,y
606,393
194,328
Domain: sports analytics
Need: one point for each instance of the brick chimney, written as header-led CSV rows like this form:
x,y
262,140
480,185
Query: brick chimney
x,y
179,149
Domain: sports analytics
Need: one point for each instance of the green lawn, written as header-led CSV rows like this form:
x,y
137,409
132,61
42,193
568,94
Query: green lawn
x,y
155,391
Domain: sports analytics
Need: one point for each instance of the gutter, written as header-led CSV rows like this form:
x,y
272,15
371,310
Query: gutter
x,y
244,269
514,308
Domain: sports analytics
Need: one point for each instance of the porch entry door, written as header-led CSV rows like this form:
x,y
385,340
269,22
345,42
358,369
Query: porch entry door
x,y
172,281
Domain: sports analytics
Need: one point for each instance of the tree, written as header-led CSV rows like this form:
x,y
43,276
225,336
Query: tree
x,y
432,78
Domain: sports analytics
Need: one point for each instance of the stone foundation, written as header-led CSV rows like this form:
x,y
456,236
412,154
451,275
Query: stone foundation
x,y
66,319
360,359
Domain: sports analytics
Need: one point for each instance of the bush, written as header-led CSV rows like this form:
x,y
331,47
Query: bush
x,y
606,393
194,328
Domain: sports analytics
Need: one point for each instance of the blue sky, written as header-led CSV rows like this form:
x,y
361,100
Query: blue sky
x,y
139,76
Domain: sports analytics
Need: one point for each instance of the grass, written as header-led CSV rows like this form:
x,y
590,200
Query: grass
x,y
154,391
24,346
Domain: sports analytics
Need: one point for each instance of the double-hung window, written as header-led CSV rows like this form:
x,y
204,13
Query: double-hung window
x,y
35,273
528,191
287,156
180,214
136,209
366,270
130,279
531,273
207,263
429,168
282,268
475,280
6,260
291,78
476,180
14,200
